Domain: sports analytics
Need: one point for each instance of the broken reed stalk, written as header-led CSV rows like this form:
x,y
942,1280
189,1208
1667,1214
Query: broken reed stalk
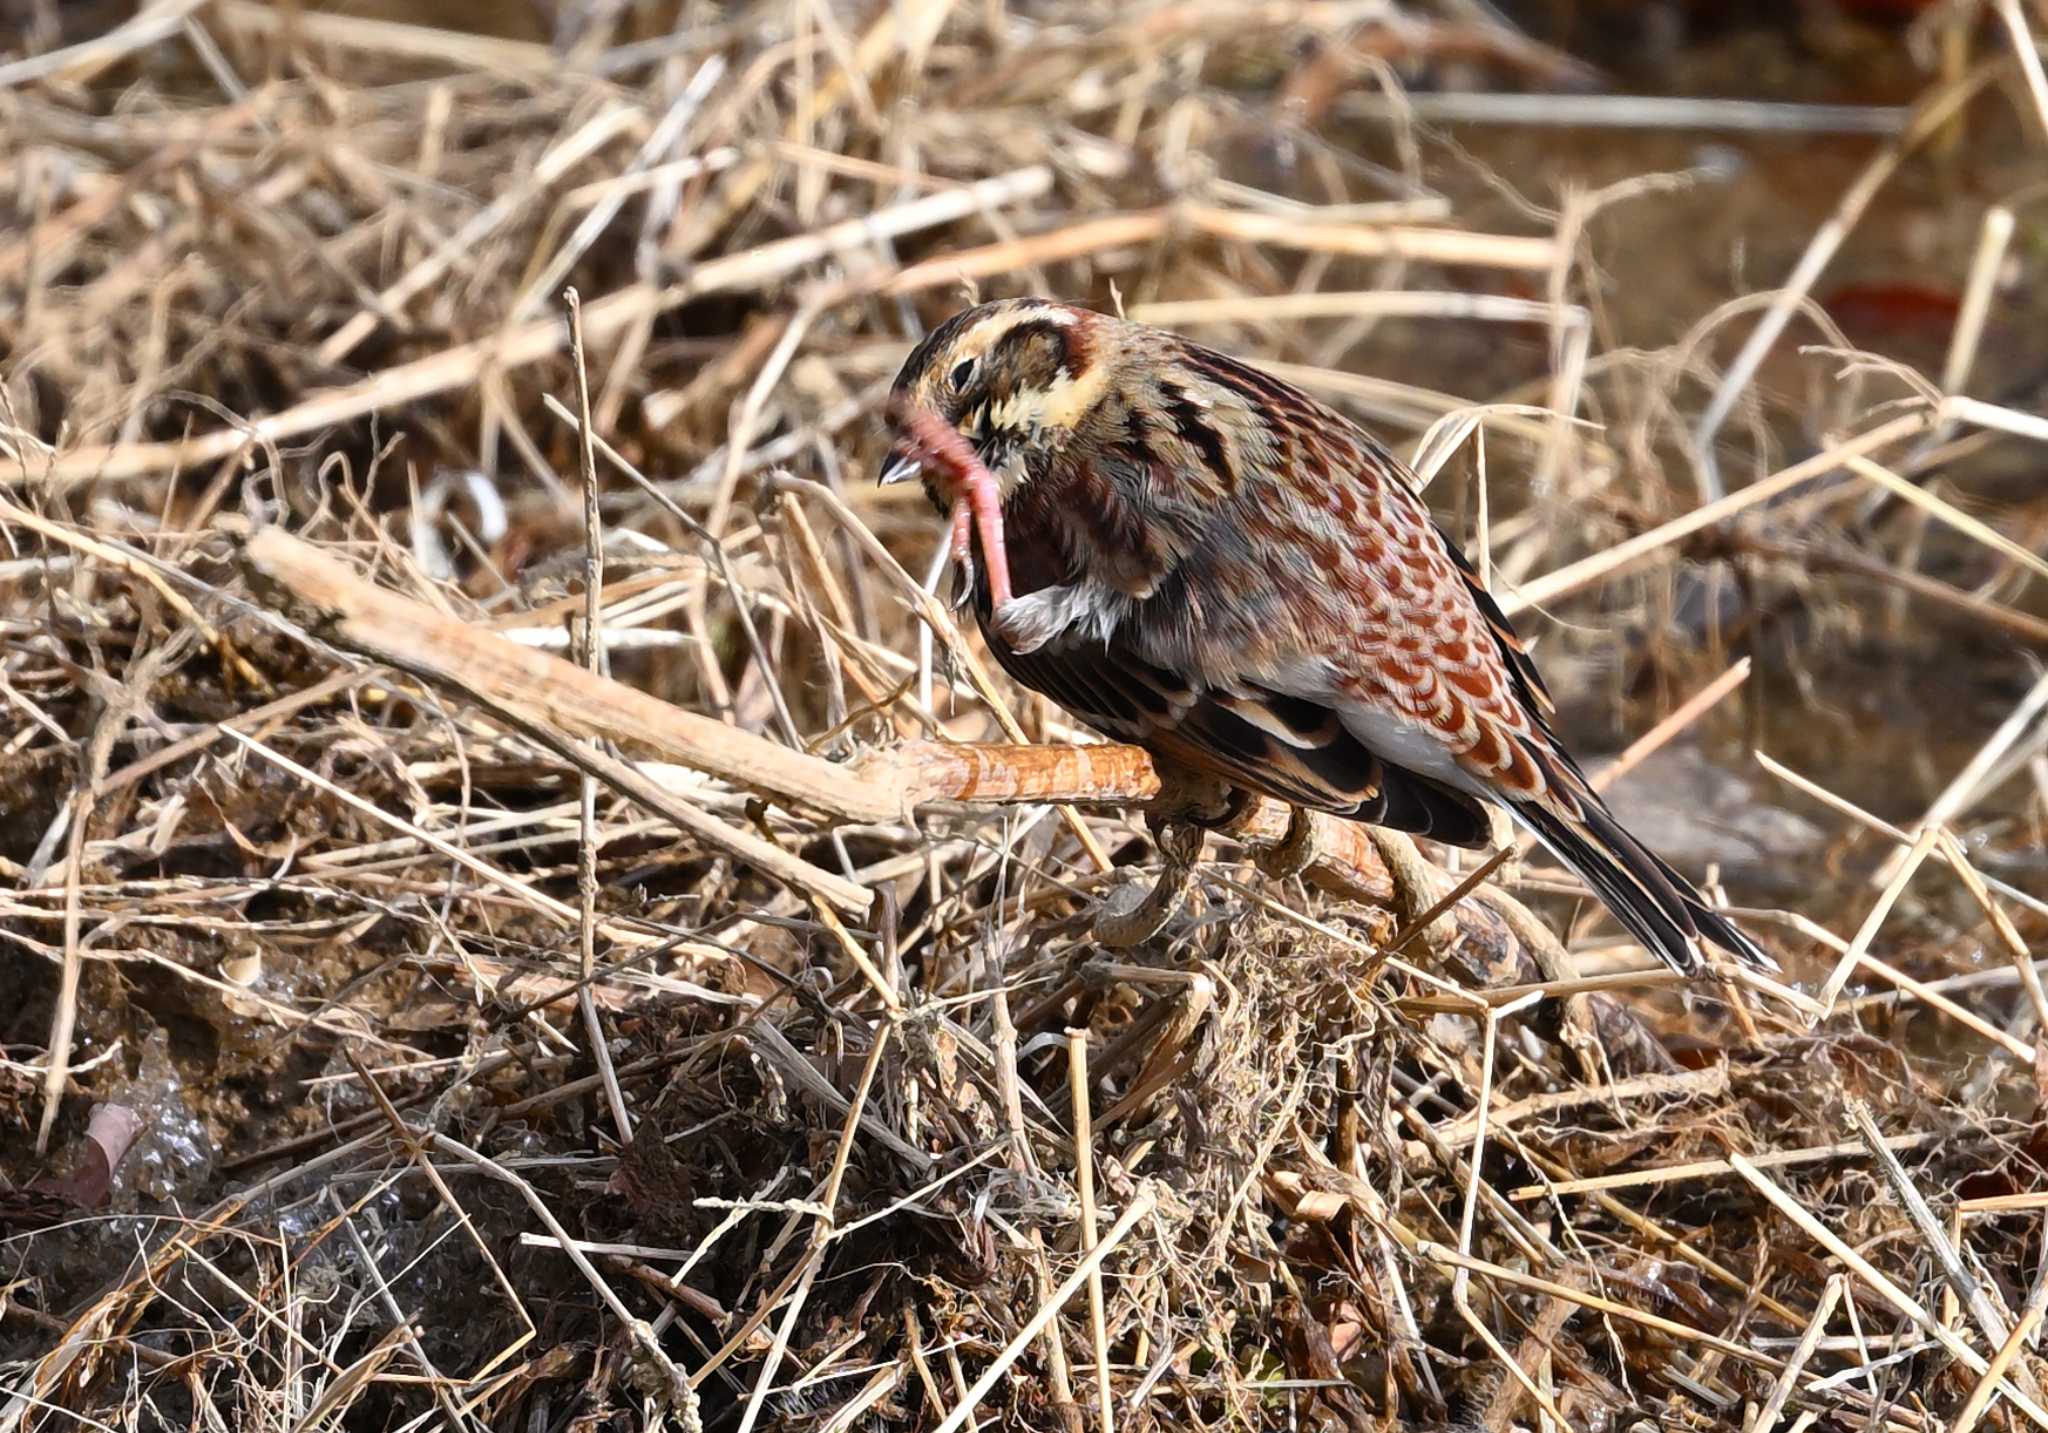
x,y
340,606
566,708
1084,1181
1346,863
593,654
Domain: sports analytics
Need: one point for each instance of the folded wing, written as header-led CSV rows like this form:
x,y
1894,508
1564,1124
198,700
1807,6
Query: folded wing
x,y
1291,748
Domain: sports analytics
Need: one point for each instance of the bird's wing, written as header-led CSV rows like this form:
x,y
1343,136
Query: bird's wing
x,y
1382,622
1361,599
1513,651
1295,750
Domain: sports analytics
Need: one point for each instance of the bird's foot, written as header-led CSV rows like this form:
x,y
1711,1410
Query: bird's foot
x,y
1295,852
1416,889
1188,807
1024,624
1123,923
1193,799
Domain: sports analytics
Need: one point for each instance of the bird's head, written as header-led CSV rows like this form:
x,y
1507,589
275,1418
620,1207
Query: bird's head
x,y
1016,377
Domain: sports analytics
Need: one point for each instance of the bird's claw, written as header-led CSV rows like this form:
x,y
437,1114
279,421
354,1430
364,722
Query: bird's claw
x,y
1122,923
1024,624
1295,852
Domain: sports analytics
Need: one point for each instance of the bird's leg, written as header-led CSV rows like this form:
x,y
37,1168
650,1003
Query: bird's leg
x,y
963,554
984,504
937,447
1181,816
963,535
1195,798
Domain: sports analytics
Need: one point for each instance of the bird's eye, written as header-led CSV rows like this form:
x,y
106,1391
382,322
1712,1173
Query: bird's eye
x,y
963,371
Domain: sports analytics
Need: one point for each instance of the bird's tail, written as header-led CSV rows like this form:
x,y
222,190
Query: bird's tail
x,y
1654,903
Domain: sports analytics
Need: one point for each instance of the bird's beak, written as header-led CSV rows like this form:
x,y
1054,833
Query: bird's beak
x,y
899,467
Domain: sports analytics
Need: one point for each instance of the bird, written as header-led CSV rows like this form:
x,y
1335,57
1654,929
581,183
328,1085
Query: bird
x,y
1196,557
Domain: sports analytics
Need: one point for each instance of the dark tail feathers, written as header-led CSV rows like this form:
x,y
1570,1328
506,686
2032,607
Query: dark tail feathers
x,y
1654,903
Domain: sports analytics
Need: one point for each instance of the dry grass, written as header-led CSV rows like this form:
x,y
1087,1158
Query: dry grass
x,y
589,942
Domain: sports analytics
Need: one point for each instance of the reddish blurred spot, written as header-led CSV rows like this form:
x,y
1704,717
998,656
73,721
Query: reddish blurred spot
x,y
1889,307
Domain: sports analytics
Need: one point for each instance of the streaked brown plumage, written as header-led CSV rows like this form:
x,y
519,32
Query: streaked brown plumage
x,y
1212,564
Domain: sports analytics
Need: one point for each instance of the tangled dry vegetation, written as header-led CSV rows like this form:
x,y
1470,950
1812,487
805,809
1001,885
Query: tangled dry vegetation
x,y
423,1014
